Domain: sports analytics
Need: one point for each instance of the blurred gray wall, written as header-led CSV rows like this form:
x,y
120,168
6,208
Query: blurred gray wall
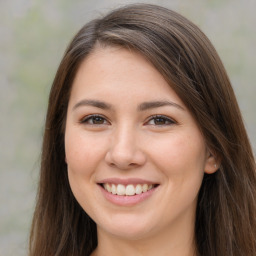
x,y
33,37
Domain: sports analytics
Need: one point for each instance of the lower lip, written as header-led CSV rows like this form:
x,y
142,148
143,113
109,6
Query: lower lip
x,y
127,200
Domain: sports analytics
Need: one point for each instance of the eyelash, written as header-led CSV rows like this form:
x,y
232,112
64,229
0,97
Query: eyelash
x,y
91,118
167,120
87,119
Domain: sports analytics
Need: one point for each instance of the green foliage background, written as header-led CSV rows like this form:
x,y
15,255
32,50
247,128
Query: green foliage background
x,y
33,37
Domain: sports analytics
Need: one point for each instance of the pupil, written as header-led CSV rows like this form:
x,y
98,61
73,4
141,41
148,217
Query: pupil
x,y
159,120
98,120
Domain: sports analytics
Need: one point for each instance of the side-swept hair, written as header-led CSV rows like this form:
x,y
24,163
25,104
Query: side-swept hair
x,y
226,210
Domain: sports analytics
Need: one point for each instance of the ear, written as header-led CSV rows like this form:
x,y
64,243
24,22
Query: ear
x,y
212,163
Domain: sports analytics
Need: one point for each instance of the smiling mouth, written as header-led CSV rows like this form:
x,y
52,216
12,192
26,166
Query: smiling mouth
x,y
127,190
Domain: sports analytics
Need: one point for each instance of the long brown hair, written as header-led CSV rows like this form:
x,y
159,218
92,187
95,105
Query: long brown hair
x,y
226,212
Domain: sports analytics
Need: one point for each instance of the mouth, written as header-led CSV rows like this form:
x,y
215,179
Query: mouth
x,y
127,190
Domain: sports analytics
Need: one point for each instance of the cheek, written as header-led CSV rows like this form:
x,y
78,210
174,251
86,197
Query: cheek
x,y
181,158
83,152
82,161
182,161
78,164
180,152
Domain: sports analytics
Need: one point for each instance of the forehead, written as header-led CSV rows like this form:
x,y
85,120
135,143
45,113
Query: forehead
x,y
116,70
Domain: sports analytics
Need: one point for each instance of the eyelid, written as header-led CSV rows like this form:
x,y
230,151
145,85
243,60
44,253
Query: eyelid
x,y
85,119
169,119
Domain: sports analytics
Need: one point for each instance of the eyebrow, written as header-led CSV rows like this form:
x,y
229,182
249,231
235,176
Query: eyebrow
x,y
157,104
142,107
93,103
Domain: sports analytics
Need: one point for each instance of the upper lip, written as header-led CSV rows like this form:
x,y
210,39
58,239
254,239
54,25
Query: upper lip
x,y
126,181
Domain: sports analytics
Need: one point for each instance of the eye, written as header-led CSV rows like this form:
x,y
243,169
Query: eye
x,y
94,120
160,120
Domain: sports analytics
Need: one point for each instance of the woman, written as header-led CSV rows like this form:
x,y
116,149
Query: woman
x,y
144,151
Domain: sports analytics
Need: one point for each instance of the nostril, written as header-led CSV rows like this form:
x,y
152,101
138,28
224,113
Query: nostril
x,y
126,161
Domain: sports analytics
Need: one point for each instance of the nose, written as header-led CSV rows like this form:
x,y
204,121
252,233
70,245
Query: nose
x,y
124,152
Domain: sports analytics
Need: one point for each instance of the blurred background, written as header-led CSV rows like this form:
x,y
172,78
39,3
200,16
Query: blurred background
x,y
33,37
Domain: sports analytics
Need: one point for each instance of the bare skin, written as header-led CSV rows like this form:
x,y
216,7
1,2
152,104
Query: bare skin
x,y
126,125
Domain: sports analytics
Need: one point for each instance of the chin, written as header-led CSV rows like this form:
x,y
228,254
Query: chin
x,y
133,234
131,229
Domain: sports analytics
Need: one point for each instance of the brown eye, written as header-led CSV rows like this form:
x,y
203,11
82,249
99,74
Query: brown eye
x,y
160,120
94,120
97,120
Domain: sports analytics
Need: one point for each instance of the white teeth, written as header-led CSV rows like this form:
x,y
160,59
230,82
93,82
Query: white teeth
x,y
108,188
128,190
138,189
120,189
113,189
145,187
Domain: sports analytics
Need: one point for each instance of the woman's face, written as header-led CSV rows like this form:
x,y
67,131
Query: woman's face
x,y
135,155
